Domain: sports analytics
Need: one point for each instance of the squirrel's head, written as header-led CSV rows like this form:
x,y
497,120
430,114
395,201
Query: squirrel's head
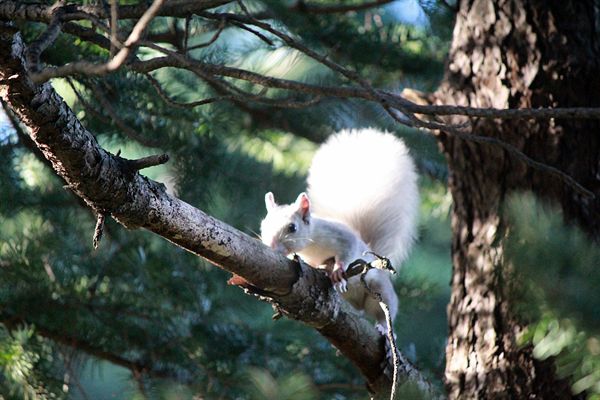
x,y
286,228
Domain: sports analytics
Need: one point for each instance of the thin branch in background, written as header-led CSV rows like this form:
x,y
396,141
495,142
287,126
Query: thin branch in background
x,y
227,87
114,63
381,96
139,379
386,99
254,32
213,39
97,24
114,25
87,34
260,98
186,34
244,27
163,95
351,75
304,7
113,117
46,38
418,103
513,151
118,121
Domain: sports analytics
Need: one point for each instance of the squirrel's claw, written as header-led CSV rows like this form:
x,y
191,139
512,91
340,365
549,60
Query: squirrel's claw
x,y
341,286
382,328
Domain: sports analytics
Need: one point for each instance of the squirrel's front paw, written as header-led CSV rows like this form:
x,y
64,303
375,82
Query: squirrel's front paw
x,y
381,328
337,276
341,286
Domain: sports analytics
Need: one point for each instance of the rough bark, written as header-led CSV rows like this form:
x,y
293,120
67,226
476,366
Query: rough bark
x,y
111,186
513,54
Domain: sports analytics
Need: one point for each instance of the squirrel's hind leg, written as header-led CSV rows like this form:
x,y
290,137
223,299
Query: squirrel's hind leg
x,y
379,282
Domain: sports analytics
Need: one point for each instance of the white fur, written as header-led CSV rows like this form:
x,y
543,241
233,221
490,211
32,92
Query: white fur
x,y
362,195
366,179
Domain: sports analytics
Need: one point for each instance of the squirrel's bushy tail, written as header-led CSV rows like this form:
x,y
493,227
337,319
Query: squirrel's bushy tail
x,y
366,179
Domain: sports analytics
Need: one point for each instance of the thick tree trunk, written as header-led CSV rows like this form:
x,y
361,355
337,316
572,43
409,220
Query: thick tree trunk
x,y
513,54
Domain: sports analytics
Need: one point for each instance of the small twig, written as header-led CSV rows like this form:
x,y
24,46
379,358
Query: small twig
x,y
147,162
99,229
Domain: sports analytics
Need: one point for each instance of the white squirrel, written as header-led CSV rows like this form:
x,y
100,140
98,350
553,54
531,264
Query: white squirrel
x,y
362,195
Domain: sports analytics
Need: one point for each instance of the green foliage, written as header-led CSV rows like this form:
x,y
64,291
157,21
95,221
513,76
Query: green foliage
x,y
294,386
559,294
25,366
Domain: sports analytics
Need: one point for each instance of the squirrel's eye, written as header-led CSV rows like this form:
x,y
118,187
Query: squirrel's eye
x,y
292,228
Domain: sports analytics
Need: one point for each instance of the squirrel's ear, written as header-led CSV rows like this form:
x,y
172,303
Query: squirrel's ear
x,y
270,201
303,205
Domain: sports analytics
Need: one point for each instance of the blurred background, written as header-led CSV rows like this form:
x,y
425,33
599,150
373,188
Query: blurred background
x,y
140,318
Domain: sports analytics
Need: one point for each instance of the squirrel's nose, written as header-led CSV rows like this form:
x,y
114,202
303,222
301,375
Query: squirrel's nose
x,y
278,247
